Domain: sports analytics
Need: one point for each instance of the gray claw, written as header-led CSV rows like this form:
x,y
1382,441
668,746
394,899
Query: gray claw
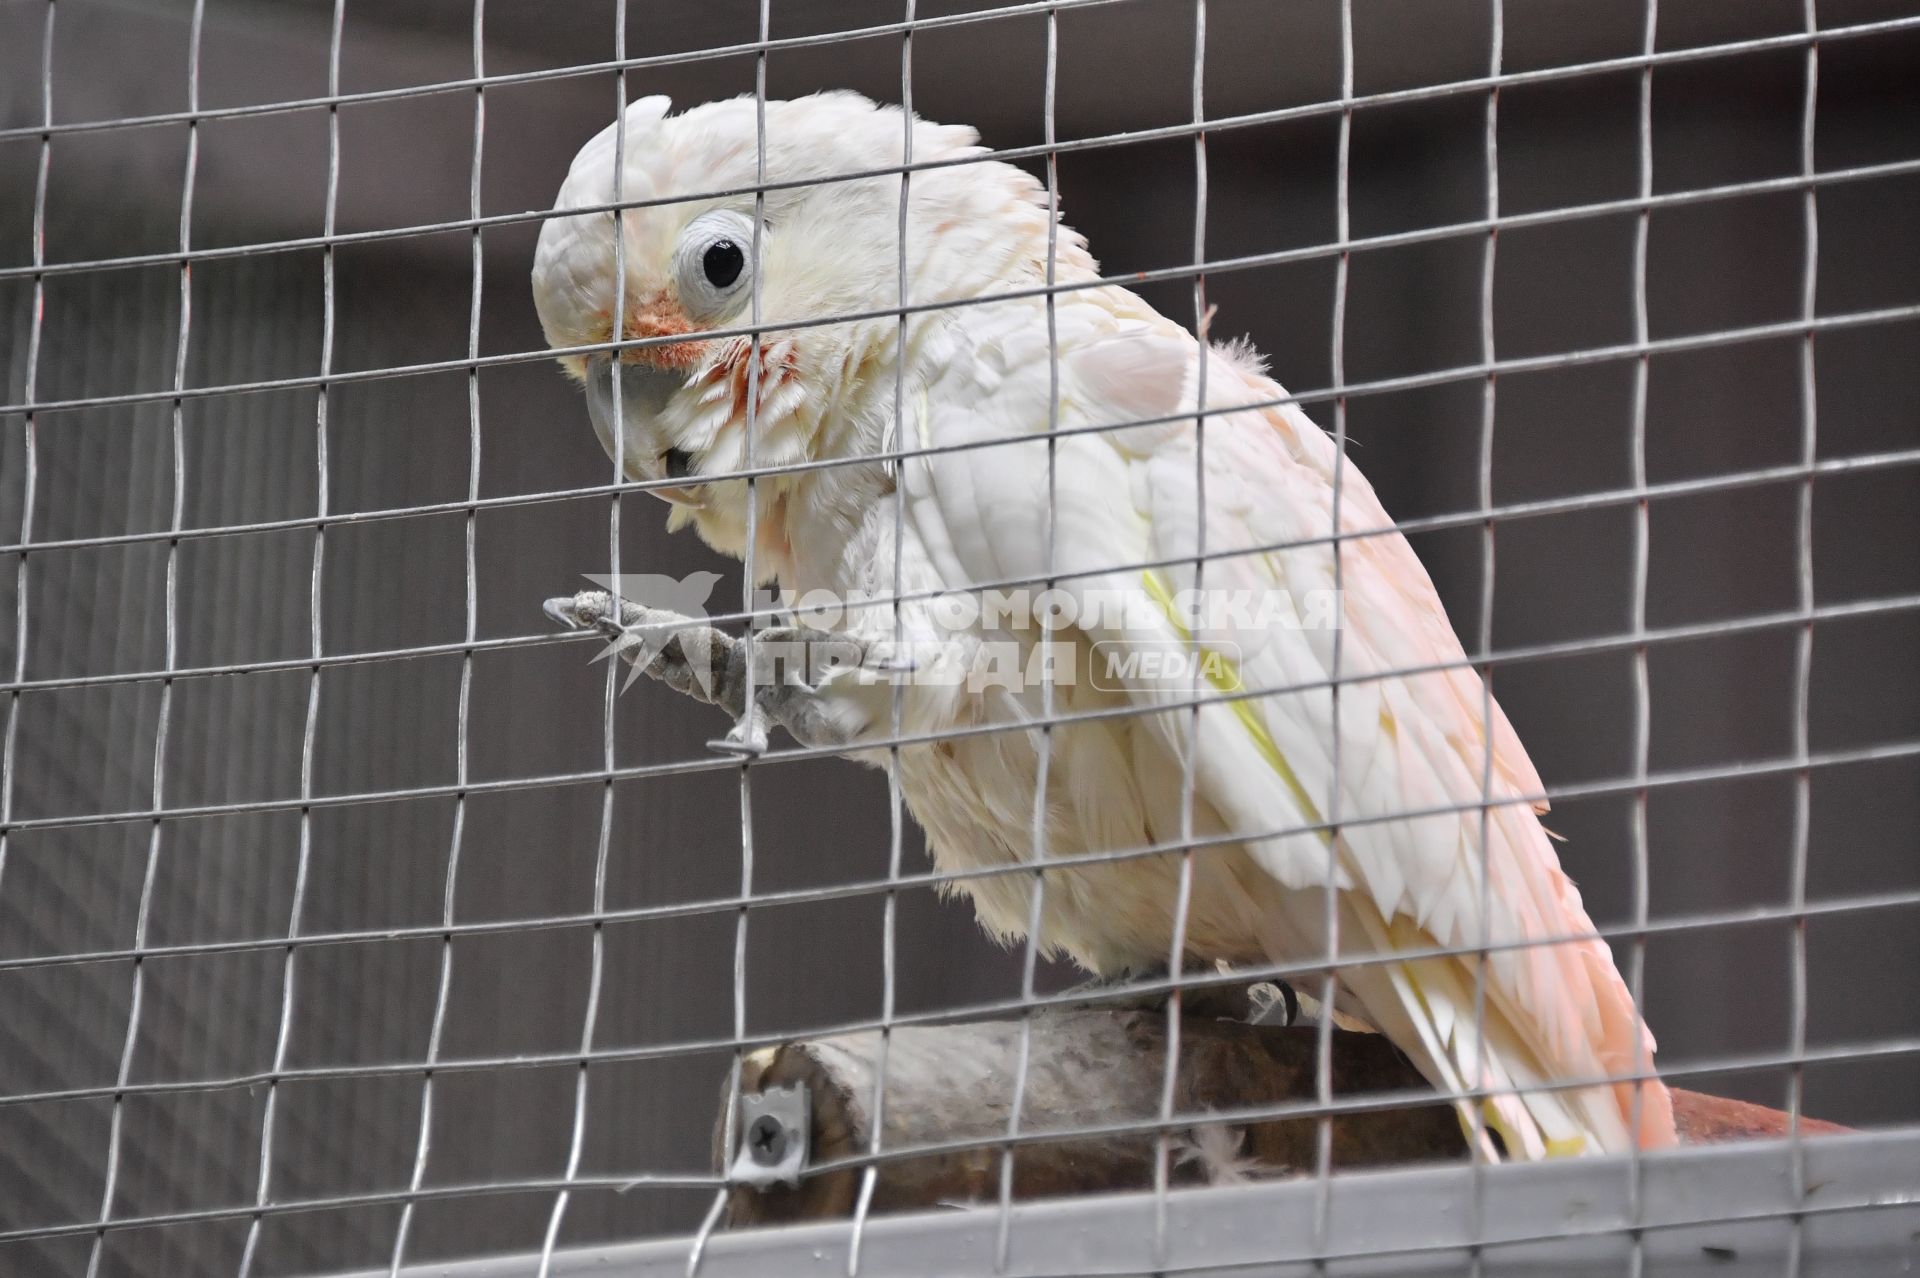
x,y
749,734
562,611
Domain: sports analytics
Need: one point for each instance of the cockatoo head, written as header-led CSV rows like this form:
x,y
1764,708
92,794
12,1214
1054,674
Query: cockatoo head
x,y
700,253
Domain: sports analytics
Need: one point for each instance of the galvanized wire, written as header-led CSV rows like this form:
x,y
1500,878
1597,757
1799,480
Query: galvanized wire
x,y
136,1001
283,1037
1334,107
682,767
1725,481
1641,552
1803,652
1119,992
1637,640
456,843
610,689
896,814
1345,1104
1489,397
30,459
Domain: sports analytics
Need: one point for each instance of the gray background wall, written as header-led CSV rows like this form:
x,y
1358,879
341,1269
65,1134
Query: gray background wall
x,y
390,724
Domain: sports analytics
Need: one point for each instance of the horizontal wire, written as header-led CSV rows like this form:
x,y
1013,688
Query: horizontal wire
x,y
1120,991
1579,357
368,1198
1123,992
570,71
720,761
1567,648
325,661
1478,85
940,878
1732,481
1533,363
1291,1109
933,881
760,330
296,244
608,1183
1220,266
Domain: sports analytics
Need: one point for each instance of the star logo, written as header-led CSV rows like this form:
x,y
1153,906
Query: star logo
x,y
674,606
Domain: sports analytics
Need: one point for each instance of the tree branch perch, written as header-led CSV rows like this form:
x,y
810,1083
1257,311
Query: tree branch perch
x,y
1093,1067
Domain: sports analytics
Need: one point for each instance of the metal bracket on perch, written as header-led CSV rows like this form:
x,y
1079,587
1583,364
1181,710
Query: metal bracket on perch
x,y
773,1139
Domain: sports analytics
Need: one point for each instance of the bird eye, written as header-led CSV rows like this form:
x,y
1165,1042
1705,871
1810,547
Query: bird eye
x,y
710,264
722,263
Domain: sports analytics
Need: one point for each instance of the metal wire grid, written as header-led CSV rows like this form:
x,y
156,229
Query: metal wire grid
x,y
176,435
1637,640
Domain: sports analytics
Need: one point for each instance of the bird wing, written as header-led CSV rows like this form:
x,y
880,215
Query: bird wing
x,y
1242,507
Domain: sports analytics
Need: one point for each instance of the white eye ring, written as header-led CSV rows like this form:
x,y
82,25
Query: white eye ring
x,y
712,265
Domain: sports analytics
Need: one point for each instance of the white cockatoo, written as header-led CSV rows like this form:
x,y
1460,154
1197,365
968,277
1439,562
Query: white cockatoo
x,y
988,462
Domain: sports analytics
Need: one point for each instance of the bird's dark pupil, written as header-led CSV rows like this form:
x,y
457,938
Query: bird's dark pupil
x,y
723,263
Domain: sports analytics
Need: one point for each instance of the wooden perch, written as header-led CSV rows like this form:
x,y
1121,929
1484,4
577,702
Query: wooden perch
x,y
1093,1066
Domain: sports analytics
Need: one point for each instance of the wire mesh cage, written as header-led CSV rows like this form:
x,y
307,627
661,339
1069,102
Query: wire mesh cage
x,y
354,919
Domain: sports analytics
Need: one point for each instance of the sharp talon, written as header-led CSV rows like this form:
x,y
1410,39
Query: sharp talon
x,y
748,738
562,612
744,741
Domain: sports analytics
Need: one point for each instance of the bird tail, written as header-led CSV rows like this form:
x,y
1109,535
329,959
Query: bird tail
x,y
1464,1042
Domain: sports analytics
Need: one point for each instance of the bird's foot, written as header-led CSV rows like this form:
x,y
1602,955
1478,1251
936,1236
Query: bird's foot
x,y
688,655
748,736
758,683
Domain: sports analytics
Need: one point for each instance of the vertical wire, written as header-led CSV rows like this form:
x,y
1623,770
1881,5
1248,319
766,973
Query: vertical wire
x,y
576,1143
1803,650
1496,40
30,467
756,345
1330,921
283,1036
1043,765
449,892
756,353
117,1123
1189,769
1642,682
890,900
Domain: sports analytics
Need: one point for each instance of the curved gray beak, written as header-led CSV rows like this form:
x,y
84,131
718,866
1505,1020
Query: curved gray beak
x,y
644,393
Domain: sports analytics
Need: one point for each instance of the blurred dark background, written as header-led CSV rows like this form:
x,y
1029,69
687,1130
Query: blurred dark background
x,y
1718,848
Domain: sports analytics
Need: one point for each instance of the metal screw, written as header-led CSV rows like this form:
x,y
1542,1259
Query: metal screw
x,y
767,1141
